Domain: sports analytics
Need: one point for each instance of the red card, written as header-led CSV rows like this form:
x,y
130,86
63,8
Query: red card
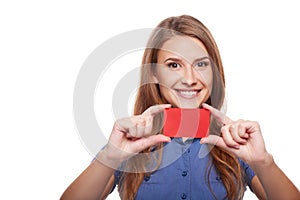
x,y
186,122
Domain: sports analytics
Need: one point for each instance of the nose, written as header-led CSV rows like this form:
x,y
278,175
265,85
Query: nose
x,y
189,78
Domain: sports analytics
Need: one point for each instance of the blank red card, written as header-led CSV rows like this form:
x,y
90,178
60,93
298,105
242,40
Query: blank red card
x,y
185,122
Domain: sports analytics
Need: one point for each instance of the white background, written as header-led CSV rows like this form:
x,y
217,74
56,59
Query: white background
x,y
44,44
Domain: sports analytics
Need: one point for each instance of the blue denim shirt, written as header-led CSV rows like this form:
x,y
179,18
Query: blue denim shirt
x,y
183,174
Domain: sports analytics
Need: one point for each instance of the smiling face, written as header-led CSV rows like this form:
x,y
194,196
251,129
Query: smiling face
x,y
184,72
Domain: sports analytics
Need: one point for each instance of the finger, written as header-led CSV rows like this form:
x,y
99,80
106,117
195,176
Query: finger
x,y
251,127
242,131
145,126
214,140
123,124
154,110
148,126
132,132
218,141
227,137
137,127
221,117
140,129
237,131
146,142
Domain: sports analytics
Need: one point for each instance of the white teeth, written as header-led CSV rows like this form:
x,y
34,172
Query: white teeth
x,y
188,93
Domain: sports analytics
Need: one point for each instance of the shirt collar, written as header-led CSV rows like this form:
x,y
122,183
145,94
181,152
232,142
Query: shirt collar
x,y
187,141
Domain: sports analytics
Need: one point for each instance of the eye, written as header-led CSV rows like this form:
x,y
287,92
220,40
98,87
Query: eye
x,y
173,65
202,64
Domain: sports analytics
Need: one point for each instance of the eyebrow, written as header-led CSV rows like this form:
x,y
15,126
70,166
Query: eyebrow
x,y
180,60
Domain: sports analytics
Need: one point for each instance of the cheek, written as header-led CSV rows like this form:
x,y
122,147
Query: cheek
x,y
167,94
206,77
164,90
166,84
210,83
167,79
165,87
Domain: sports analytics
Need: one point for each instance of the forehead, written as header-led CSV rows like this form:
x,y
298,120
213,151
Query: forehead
x,y
188,48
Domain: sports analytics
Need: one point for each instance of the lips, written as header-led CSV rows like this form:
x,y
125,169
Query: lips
x,y
189,94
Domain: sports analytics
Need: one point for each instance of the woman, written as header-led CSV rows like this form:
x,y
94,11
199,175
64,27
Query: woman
x,y
182,68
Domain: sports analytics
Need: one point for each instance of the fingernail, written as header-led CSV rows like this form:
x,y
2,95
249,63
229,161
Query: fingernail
x,y
167,139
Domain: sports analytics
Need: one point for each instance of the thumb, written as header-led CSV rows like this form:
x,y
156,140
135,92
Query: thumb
x,y
146,142
214,140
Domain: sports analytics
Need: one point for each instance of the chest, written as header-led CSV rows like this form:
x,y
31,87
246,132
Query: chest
x,y
182,175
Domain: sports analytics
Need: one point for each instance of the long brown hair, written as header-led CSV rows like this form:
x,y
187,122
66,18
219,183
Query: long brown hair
x,y
148,94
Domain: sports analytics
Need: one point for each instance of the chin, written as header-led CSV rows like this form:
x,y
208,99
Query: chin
x,y
188,105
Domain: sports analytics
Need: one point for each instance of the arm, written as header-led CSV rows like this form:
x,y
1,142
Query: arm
x,y
95,182
275,183
244,139
258,189
129,136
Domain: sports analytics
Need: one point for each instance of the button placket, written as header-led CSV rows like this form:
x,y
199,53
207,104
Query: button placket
x,y
184,171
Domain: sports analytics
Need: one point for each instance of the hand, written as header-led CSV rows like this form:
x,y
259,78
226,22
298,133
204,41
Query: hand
x,y
133,134
243,138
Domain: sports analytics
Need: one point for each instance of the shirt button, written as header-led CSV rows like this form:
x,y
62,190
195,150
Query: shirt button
x,y
147,178
183,196
188,150
184,173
